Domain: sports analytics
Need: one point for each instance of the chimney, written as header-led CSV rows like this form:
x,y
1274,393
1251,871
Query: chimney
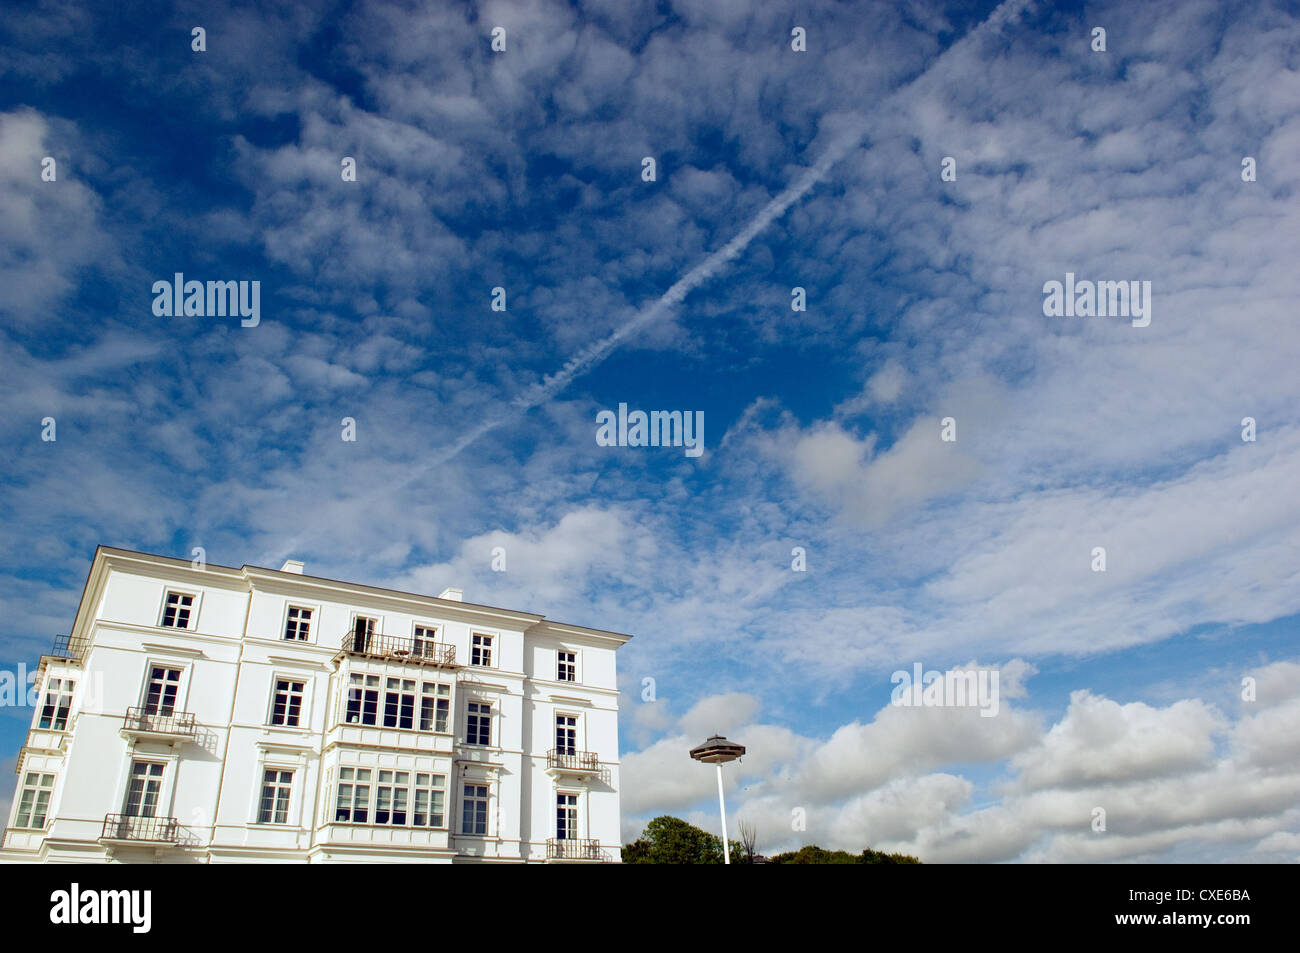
x,y
454,595
292,565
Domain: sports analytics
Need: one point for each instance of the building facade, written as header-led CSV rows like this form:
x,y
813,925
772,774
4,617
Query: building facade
x,y
208,714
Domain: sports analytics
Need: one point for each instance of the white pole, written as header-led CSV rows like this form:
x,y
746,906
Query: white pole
x,y
722,805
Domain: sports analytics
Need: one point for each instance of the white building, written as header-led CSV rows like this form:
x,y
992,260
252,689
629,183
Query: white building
x,y
233,715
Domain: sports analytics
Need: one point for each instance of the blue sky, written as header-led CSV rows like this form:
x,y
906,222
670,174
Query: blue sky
x,y
475,428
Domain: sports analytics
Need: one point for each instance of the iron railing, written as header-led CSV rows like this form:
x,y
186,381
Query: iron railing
x,y
66,646
573,848
171,723
419,651
572,760
148,830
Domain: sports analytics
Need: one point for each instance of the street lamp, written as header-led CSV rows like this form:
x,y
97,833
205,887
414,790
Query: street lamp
x,y
718,750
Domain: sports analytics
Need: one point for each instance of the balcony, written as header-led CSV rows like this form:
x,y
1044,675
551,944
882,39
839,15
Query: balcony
x,y
573,849
129,830
572,764
416,651
66,646
174,727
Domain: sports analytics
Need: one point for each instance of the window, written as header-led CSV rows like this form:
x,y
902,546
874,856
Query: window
x,y
397,802
297,625
363,699
399,703
480,649
144,790
566,666
566,734
276,786
34,802
425,642
353,804
58,702
475,809
286,706
164,685
430,791
363,631
435,706
176,610
478,724
399,698
566,816
390,797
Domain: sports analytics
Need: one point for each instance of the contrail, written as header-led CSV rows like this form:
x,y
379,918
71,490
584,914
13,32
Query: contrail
x,y
594,354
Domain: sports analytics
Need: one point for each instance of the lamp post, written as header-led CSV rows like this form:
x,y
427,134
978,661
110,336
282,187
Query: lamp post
x,y
718,750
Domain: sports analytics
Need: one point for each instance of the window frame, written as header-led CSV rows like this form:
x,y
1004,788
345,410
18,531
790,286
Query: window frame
x,y
395,703
70,694
466,800
437,628
311,623
576,814
488,712
489,648
304,701
162,802
441,708
347,698
36,790
575,663
196,600
182,683
277,785
576,728
353,783
376,630
375,784
431,789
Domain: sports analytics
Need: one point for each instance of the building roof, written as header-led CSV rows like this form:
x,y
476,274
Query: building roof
x,y
104,555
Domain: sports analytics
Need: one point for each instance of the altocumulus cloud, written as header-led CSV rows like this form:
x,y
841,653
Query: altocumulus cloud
x,y
924,302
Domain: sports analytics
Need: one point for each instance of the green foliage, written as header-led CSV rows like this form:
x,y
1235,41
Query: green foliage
x,y
870,856
670,840
812,854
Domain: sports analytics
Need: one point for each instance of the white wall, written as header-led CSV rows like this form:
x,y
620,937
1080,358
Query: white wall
x,y
230,655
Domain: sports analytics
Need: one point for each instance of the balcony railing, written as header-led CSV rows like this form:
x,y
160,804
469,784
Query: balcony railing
x,y
419,651
145,830
179,723
573,848
578,762
66,646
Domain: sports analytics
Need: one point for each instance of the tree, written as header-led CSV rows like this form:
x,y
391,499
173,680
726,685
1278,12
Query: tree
x,y
870,856
670,840
748,842
812,854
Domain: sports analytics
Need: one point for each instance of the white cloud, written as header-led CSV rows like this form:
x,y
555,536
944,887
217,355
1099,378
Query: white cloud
x,y
50,231
1162,783
1100,741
